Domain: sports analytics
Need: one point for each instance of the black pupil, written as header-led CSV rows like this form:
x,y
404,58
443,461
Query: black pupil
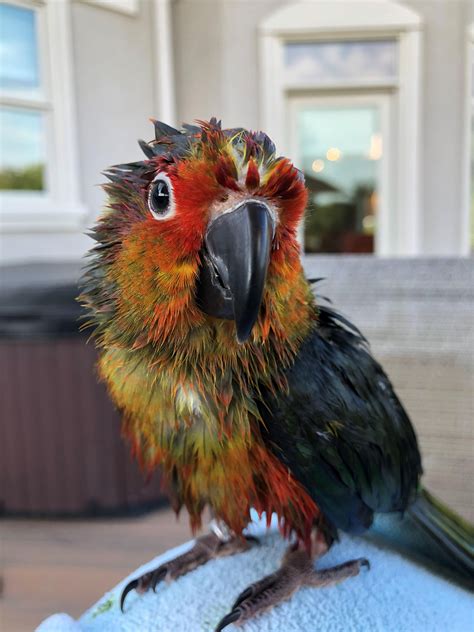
x,y
160,197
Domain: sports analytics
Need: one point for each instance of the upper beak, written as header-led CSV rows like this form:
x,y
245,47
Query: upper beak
x,y
235,264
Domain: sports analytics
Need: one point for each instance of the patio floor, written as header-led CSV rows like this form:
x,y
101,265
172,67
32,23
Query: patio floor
x,y
66,565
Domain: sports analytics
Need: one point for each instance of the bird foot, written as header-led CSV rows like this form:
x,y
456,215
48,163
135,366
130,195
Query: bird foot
x,y
297,570
206,548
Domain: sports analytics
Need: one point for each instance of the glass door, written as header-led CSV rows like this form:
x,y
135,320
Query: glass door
x,y
341,144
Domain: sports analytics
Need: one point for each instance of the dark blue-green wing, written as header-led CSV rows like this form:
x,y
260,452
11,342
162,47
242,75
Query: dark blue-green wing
x,y
341,430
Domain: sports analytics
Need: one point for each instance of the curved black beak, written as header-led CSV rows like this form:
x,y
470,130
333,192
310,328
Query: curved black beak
x,y
235,262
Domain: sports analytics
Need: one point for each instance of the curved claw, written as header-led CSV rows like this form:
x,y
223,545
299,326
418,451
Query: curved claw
x,y
248,592
365,562
128,588
144,583
228,619
157,576
257,587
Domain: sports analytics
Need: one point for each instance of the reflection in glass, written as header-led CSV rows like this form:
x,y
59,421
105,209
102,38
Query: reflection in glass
x,y
18,49
335,61
21,150
340,149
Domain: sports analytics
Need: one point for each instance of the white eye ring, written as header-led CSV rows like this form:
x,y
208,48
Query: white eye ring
x,y
159,193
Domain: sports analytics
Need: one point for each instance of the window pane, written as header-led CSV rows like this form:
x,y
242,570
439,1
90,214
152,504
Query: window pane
x,y
21,150
340,149
18,48
332,61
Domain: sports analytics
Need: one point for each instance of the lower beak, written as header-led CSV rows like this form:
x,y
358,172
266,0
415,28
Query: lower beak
x,y
235,264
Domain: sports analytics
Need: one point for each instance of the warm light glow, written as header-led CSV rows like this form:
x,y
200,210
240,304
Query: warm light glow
x,y
318,165
368,224
333,154
375,149
374,202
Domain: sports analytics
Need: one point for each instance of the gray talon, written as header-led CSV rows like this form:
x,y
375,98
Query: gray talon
x,y
233,616
128,588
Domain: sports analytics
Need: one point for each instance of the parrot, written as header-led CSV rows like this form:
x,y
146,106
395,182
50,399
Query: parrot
x,y
246,390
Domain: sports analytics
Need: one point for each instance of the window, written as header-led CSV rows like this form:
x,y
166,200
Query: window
x,y
331,62
23,105
337,137
38,155
338,142
341,95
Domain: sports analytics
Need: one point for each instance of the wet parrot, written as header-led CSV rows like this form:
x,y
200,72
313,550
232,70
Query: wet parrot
x,y
241,386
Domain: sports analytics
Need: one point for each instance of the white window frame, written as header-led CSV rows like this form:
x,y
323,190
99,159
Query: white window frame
x,y
59,206
325,20
128,7
383,103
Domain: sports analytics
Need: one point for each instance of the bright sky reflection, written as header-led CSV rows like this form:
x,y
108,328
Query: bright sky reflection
x,y
21,138
333,61
18,49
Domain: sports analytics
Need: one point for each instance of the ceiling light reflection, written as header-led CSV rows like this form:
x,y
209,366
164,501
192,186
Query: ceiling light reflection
x,y
333,154
318,165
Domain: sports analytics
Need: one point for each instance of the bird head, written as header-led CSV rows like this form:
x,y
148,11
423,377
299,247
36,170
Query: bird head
x,y
199,232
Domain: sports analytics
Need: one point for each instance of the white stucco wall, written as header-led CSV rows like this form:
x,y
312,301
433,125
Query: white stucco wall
x,y
114,66
217,68
443,121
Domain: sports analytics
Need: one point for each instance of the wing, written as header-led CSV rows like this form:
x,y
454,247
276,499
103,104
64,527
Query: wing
x,y
341,429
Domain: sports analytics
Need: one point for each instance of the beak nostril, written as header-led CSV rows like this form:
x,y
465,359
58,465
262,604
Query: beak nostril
x,y
218,276
212,266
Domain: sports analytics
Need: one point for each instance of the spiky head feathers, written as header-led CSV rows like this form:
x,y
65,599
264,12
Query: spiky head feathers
x,y
206,166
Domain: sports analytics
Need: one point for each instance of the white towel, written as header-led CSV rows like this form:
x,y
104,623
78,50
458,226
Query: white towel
x,y
396,595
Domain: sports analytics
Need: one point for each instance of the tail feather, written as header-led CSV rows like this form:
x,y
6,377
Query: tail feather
x,y
433,535
452,533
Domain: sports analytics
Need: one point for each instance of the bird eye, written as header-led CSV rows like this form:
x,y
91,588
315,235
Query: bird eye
x,y
160,197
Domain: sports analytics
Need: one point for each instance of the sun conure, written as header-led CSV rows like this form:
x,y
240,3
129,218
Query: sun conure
x,y
230,377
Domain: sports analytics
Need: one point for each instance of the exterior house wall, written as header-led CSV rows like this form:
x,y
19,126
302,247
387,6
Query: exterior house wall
x,y
198,51
115,89
444,71
217,70
217,73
